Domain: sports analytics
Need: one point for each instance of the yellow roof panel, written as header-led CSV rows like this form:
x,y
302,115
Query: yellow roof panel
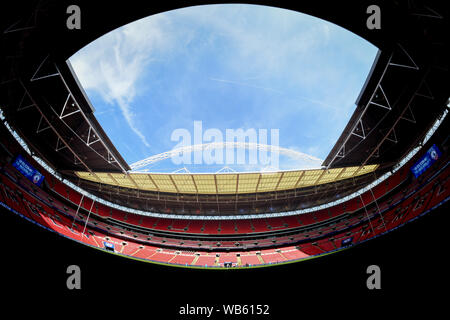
x,y
205,183
184,183
288,183
225,183
248,182
268,181
163,182
123,180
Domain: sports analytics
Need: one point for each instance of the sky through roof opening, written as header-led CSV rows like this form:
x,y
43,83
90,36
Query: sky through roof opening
x,y
224,67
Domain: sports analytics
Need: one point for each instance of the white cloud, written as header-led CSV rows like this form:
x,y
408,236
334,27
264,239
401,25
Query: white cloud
x,y
262,53
112,65
299,62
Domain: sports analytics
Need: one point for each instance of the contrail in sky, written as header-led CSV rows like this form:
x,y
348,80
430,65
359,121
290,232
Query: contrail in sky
x,y
244,84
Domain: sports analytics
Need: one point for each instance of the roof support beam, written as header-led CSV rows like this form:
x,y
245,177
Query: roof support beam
x,y
409,116
91,135
13,28
399,58
392,136
154,183
340,173
174,184
64,107
257,185
132,180
113,179
360,129
215,183
356,171
341,155
299,178
92,127
388,134
428,13
43,117
39,129
386,104
195,185
409,63
424,91
91,131
34,78
28,105
278,183
320,177
59,146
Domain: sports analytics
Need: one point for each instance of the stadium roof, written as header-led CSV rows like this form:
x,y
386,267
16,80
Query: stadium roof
x,y
226,183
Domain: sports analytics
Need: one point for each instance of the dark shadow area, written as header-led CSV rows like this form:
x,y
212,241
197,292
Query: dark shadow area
x,y
412,261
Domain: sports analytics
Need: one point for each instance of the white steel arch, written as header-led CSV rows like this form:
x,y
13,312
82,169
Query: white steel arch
x,y
220,145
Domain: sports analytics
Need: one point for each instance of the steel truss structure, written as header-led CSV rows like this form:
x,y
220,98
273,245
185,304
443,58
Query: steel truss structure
x,y
224,145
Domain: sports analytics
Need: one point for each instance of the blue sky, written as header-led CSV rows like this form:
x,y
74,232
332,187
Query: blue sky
x,y
231,67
